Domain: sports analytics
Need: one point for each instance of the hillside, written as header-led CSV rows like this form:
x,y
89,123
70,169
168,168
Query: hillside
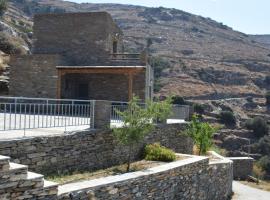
x,y
263,39
201,58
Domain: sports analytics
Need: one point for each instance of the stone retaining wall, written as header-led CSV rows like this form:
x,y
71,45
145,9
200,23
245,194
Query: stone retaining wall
x,y
242,167
86,150
193,178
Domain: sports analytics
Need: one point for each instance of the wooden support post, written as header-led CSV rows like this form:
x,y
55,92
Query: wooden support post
x,y
130,86
59,80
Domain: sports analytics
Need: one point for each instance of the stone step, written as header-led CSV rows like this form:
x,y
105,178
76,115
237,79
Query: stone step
x,y
33,180
15,172
9,178
48,191
4,163
50,188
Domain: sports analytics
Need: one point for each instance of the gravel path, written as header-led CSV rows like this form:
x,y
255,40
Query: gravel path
x,y
244,192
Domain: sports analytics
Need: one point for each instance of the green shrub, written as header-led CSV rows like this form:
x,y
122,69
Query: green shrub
x,y
156,152
263,146
10,45
3,7
267,79
264,163
258,125
159,64
267,97
137,122
201,133
178,100
198,108
157,85
227,118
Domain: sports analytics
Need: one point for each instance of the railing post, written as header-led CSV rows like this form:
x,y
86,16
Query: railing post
x,y
102,114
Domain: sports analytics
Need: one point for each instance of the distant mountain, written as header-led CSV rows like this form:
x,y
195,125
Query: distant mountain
x,y
194,56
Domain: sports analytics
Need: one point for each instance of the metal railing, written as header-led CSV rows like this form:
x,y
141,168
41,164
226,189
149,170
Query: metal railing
x,y
31,113
125,56
179,112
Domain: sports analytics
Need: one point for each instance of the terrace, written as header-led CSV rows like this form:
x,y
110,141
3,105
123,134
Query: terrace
x,y
30,117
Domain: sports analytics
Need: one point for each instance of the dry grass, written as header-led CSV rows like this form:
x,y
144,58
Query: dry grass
x,y
263,185
116,170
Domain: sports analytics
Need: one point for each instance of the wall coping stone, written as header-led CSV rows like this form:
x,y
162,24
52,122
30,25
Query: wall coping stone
x,y
240,158
72,187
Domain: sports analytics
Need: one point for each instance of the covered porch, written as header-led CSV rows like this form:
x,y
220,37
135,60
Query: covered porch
x,y
113,83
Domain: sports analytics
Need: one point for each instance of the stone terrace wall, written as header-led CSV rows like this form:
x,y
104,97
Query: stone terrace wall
x,y
189,179
242,167
86,150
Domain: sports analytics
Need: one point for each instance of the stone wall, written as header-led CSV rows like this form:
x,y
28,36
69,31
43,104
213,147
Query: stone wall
x,y
86,150
242,167
82,38
34,75
190,179
113,87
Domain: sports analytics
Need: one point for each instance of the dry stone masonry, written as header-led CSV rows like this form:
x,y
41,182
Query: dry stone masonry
x,y
86,150
194,178
17,183
242,167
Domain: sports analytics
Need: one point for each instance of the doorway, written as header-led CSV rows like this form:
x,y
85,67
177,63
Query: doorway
x,y
114,47
83,91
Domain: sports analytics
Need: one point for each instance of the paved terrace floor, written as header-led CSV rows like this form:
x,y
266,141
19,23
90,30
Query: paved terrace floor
x,y
11,122
244,192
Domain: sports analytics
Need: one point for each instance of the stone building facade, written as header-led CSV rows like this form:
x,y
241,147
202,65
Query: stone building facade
x,y
80,56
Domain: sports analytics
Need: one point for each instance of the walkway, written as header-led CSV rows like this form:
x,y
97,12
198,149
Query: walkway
x,y
244,192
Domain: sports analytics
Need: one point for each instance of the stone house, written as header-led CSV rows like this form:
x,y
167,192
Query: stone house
x,y
80,56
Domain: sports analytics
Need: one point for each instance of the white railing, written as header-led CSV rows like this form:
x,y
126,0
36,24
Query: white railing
x,y
31,113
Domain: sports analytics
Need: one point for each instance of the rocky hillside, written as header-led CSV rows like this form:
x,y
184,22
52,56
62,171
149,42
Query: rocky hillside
x,y
263,39
194,56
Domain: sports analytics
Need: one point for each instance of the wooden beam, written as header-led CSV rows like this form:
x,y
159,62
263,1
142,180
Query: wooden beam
x,y
101,71
130,86
59,84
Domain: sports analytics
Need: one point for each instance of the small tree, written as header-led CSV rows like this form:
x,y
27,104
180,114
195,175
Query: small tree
x,y
201,133
258,125
228,118
198,108
267,97
178,100
138,122
3,7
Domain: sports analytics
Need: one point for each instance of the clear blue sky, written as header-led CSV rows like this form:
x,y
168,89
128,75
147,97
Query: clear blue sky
x,y
248,16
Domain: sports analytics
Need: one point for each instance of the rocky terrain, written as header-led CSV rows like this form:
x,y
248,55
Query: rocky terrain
x,y
195,57
205,59
263,39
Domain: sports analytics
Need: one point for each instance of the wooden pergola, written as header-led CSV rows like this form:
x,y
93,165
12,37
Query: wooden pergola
x,y
129,71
